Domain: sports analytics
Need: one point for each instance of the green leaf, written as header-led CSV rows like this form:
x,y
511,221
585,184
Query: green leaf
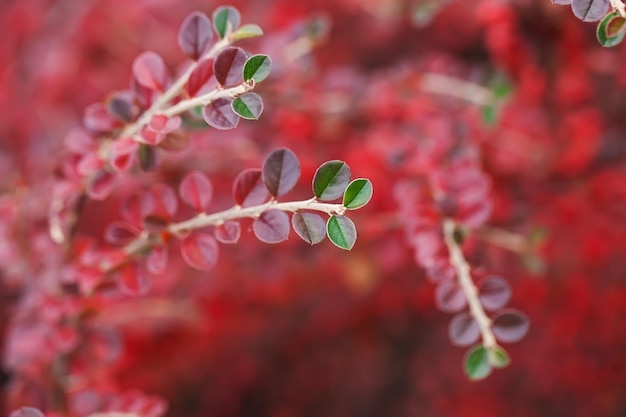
x,y
498,357
257,68
247,31
330,180
225,20
611,29
477,364
358,193
249,106
341,231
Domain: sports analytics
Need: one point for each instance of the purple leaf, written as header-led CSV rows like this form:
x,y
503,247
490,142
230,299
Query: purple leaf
x,y
590,10
272,226
449,297
149,70
229,232
463,330
510,326
200,251
228,66
220,115
196,190
309,226
494,293
195,34
120,233
249,189
281,171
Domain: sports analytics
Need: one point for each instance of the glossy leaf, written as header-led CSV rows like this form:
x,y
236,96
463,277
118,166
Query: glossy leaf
x,y
281,171
249,188
228,66
200,76
226,19
156,261
309,226
131,280
358,193
272,226
247,31
248,106
26,412
498,357
149,70
200,251
220,115
228,232
196,190
463,330
510,326
449,297
590,10
195,34
477,364
611,30
257,68
341,231
494,293
330,180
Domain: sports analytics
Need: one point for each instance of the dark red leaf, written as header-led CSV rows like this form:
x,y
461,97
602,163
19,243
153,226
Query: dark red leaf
x,y
249,188
200,251
149,70
281,171
196,190
120,233
272,226
200,76
165,201
309,226
120,105
228,66
220,115
463,330
195,34
148,160
228,232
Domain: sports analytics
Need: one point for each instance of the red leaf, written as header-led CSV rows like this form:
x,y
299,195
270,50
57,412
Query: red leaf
x,y
281,171
272,226
156,262
228,66
196,190
123,154
195,34
220,115
132,281
149,70
79,141
200,251
120,233
200,76
229,232
249,188
163,124
98,119
165,201
100,185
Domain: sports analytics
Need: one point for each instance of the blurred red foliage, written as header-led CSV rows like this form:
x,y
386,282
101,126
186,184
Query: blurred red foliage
x,y
291,330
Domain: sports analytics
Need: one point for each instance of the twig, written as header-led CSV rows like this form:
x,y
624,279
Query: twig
x,y
465,90
619,7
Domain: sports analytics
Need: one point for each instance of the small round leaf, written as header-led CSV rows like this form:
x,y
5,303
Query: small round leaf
x,y
281,171
228,232
611,29
131,280
149,70
330,180
463,330
590,10
26,412
200,76
248,106
220,115
498,357
477,365
196,190
228,66
341,231
309,226
247,31
358,194
272,226
200,251
257,68
494,293
156,261
249,188
449,297
225,20
510,326
195,34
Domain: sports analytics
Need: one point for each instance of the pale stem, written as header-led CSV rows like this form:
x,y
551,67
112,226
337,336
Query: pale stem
x,y
450,86
206,99
464,278
146,240
619,7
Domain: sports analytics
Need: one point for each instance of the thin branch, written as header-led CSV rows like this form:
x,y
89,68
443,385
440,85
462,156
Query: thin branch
x,y
450,86
619,7
206,99
464,278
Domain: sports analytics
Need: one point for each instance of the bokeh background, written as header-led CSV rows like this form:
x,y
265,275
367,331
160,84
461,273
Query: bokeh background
x,y
291,330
